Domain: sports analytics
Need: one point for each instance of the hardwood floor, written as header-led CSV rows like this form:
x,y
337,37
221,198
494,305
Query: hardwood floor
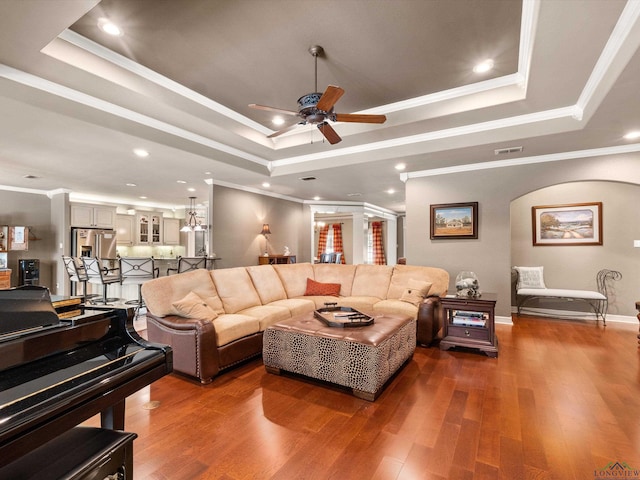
x,y
561,401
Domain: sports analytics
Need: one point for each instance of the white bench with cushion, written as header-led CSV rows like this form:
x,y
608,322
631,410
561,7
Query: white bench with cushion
x,y
530,285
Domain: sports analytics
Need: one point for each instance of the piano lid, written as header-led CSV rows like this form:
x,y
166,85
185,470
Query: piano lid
x,y
26,307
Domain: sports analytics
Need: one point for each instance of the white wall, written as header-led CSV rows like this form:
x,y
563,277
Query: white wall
x,y
490,255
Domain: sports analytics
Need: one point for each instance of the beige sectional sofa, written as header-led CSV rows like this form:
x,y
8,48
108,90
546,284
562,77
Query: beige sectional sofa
x,y
215,319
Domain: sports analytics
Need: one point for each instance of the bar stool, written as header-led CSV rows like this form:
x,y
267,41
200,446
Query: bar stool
x,y
136,271
76,273
100,275
186,264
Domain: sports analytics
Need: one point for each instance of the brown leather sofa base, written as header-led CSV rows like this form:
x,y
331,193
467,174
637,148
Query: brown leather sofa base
x,y
360,358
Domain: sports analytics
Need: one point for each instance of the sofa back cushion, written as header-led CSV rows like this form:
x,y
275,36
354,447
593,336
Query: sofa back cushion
x,y
235,289
267,283
160,293
371,281
438,278
335,273
294,277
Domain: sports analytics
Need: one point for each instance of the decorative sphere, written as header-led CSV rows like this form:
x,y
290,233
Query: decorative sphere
x,y
467,284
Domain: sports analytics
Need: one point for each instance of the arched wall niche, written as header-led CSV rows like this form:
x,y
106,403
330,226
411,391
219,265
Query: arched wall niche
x,y
575,267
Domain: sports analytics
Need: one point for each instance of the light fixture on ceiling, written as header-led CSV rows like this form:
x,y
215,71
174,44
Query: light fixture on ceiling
x,y
266,231
483,67
634,135
140,152
266,184
192,224
277,120
110,28
400,167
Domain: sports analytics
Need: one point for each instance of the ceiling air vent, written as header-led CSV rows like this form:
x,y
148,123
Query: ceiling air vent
x,y
503,151
306,179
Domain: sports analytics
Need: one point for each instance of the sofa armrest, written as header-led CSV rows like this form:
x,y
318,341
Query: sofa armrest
x,y
429,320
192,340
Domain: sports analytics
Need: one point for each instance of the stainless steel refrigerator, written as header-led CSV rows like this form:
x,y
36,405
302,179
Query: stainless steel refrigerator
x,y
93,242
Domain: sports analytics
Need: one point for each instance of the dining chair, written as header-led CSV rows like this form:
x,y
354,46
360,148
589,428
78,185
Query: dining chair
x,y
327,258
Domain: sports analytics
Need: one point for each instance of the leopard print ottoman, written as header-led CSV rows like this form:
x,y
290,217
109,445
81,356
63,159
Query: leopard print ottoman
x,y
360,358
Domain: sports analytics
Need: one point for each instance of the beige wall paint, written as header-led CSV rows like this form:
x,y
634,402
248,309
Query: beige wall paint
x,y
27,209
237,221
490,255
576,266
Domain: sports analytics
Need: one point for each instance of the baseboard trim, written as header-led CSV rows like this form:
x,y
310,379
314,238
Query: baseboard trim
x,y
571,315
504,320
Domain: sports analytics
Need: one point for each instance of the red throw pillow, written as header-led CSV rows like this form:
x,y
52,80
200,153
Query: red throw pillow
x,y
317,288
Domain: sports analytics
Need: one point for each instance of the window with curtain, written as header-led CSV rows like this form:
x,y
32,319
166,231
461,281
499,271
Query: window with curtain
x,y
375,244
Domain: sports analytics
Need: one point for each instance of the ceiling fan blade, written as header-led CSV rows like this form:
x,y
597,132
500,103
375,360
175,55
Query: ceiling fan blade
x,y
360,118
284,130
272,109
329,133
329,98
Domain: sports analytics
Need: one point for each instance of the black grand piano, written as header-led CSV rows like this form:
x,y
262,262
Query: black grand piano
x,y
55,374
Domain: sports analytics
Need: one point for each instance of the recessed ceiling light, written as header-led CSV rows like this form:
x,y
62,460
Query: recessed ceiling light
x,y
191,189
484,66
180,181
316,198
110,28
143,197
131,185
400,166
356,194
277,120
266,184
207,173
140,152
632,135
391,191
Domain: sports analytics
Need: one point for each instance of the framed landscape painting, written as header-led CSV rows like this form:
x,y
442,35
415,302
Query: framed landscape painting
x,y
454,220
571,224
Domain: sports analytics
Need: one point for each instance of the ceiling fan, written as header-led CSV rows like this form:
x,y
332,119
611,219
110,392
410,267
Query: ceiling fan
x,y
316,108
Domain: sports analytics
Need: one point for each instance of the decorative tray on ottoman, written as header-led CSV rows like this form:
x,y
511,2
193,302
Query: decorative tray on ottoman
x,y
334,316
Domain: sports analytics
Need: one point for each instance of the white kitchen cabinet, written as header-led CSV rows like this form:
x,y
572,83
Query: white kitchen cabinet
x,y
83,215
149,229
124,229
171,233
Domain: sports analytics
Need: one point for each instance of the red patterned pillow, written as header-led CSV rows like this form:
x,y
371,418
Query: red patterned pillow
x,y
317,288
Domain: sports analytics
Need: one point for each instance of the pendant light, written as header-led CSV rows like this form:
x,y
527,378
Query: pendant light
x,y
192,224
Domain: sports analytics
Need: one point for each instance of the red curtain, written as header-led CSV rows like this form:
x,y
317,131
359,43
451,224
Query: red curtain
x,y
378,247
322,239
337,241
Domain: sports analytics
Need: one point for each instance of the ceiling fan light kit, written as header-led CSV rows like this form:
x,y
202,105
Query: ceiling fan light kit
x,y
316,108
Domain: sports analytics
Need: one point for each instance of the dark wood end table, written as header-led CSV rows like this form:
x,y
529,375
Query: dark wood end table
x,y
470,322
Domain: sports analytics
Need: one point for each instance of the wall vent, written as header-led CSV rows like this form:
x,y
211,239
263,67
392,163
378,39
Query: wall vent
x,y
503,151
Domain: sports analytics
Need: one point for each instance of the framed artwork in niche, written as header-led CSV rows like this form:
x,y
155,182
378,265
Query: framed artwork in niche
x,y
454,220
567,225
